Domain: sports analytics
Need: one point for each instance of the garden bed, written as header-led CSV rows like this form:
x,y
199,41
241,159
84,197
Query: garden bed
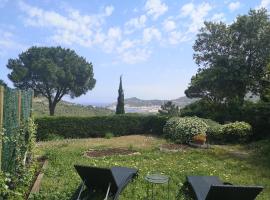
x,y
109,152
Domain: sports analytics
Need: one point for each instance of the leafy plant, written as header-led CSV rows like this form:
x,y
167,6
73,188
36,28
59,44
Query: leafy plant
x,y
4,185
181,130
109,135
236,132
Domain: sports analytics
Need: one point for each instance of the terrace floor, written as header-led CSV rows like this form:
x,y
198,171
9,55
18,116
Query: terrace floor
x,y
238,164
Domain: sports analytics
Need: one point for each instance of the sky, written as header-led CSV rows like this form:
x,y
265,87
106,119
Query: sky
x,y
149,42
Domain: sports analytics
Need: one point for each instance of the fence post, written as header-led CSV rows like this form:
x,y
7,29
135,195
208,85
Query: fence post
x,y
19,106
1,121
31,103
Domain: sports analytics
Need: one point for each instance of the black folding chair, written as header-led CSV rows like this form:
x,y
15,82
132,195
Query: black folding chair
x,y
110,182
212,188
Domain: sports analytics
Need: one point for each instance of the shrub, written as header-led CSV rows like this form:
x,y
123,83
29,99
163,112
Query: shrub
x,y
83,127
109,135
257,115
236,132
213,131
181,130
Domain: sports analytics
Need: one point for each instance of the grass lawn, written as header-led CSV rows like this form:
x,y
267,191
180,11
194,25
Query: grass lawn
x,y
244,165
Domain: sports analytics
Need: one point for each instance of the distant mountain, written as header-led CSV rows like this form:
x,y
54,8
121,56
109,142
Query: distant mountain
x,y
183,101
136,102
64,108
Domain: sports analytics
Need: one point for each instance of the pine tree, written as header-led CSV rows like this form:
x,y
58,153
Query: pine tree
x,y
169,109
120,108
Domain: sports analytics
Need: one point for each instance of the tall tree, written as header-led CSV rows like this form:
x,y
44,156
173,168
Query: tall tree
x,y
52,72
120,107
232,58
169,109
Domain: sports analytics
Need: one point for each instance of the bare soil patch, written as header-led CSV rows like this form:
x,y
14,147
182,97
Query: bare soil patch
x,y
173,147
109,152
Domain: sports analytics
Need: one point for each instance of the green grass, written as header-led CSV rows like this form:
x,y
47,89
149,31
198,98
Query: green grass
x,y
238,164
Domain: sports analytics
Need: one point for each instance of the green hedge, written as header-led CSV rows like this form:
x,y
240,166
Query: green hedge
x,y
83,127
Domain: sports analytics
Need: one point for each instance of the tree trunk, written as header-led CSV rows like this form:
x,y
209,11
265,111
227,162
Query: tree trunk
x,y
52,108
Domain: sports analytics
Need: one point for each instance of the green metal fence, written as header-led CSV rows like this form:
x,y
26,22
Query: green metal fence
x,y
15,106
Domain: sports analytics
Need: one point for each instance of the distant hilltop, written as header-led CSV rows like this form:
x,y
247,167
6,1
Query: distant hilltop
x,y
65,108
136,102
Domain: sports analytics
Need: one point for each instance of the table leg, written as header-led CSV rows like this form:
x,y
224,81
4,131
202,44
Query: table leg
x,y
147,191
168,189
152,191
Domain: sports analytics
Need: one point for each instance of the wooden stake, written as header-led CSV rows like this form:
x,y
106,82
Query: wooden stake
x,y
1,120
31,105
19,106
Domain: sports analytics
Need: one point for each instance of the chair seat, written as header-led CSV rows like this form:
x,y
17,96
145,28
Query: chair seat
x,y
212,188
202,184
113,180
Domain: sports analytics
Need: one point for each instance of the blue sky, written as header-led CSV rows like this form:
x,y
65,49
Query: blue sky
x,y
148,41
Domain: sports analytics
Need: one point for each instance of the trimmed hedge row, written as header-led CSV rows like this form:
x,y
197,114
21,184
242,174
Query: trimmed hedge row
x,y
83,127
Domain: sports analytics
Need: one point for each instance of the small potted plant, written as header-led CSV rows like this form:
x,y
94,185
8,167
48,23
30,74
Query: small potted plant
x,y
199,139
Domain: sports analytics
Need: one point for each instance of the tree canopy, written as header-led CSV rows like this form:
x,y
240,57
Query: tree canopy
x,y
169,109
232,59
52,72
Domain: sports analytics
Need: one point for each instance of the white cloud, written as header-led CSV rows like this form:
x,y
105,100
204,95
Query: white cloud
x,y
114,35
187,9
155,8
8,43
72,28
109,10
169,25
126,45
88,31
217,17
136,55
135,24
197,14
150,34
264,4
176,37
234,5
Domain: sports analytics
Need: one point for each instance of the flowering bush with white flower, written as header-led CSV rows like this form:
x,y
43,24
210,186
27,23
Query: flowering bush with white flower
x,y
182,129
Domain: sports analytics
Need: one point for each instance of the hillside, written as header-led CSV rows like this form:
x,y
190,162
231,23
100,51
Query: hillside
x,y
135,102
63,108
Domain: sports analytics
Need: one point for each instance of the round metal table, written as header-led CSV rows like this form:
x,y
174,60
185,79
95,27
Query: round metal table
x,y
157,179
